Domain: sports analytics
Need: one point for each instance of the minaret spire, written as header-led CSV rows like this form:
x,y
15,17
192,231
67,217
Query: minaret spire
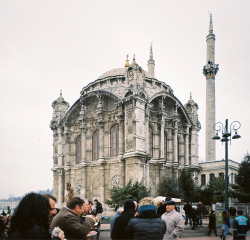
x,y
211,24
209,71
151,63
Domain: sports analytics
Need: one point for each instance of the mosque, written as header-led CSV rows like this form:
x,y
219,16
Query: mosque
x,y
128,125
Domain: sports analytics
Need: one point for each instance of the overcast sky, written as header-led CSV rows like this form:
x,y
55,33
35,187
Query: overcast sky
x,y
48,46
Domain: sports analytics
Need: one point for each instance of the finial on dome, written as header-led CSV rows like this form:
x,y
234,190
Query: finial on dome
x,y
134,58
127,62
61,93
190,95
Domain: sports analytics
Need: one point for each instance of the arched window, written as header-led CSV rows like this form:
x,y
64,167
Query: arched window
x,y
78,149
203,179
150,141
232,178
114,140
166,146
221,175
211,176
95,145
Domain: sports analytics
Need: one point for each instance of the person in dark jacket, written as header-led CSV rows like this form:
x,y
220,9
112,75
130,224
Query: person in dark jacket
x,y
121,222
195,217
226,223
148,224
3,218
98,208
212,223
188,211
200,210
240,226
30,220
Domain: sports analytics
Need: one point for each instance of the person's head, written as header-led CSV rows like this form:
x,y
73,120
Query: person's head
x,y
225,212
76,206
212,212
147,205
170,206
86,207
96,201
200,202
120,210
240,212
90,204
52,202
129,205
33,208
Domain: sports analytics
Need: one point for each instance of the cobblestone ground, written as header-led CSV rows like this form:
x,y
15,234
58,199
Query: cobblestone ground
x,y
188,233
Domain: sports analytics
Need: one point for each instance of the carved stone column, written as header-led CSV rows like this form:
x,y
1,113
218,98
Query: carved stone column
x,y
60,151
163,139
84,180
187,145
121,135
122,173
175,141
60,186
102,182
83,142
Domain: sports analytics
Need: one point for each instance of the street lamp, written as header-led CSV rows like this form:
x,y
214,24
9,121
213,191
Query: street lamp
x,y
226,137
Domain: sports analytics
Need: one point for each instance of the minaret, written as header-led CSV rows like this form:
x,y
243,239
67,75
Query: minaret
x,y
151,63
210,70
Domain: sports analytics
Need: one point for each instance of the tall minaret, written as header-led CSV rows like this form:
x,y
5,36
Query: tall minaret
x,y
151,63
210,70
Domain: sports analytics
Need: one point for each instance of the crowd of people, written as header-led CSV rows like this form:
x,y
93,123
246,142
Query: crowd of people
x,y
37,217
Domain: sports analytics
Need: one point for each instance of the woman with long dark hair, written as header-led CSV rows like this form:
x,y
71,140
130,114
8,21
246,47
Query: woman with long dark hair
x,y
31,218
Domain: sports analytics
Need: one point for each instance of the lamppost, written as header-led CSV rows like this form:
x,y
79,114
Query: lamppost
x,y
226,137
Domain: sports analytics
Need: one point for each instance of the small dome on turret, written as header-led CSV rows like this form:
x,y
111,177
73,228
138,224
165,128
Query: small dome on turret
x,y
60,107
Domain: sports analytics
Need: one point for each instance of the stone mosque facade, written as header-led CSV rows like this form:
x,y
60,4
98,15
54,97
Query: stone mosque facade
x,y
126,125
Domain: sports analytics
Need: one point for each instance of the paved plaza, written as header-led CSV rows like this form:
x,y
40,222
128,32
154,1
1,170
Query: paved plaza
x,y
188,234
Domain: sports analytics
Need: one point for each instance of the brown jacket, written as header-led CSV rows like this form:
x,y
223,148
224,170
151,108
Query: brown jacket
x,y
71,225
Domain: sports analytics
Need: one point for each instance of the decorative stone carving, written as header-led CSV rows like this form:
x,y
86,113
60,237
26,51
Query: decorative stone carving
x,y
115,181
78,188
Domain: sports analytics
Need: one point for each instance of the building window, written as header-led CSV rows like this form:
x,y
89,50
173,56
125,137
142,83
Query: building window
x,y
114,140
78,149
203,179
221,175
166,146
150,142
211,176
232,178
95,145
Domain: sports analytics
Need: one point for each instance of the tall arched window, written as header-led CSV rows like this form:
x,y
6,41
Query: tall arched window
x,y
78,149
166,146
150,141
114,141
203,179
221,175
211,176
95,145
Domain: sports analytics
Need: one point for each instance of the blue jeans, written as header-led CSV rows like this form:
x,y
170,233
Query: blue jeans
x,y
188,217
226,229
201,217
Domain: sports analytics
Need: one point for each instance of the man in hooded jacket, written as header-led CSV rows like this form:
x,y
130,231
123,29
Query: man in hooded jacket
x,y
121,222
